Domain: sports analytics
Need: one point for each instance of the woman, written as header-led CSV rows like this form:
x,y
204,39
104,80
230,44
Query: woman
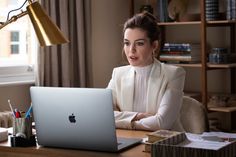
x,y
147,94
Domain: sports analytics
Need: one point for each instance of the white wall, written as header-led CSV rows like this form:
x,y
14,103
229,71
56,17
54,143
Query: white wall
x,y
107,19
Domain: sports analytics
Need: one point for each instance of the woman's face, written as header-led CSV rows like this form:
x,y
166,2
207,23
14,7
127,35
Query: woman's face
x,y
138,48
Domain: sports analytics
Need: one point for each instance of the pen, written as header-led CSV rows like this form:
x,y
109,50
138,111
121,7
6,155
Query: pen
x,y
13,113
17,113
27,115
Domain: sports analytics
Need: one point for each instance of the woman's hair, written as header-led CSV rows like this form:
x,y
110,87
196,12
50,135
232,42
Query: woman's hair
x,y
146,22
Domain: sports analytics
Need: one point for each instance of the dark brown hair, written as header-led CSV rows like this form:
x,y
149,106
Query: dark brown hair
x,y
145,21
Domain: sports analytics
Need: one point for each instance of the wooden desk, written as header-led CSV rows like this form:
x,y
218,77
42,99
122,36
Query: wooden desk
x,y
6,150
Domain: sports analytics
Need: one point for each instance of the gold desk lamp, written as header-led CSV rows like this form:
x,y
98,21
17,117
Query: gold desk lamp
x,y
47,32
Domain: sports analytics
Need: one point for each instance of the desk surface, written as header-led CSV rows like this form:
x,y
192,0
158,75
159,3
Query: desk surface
x,y
6,150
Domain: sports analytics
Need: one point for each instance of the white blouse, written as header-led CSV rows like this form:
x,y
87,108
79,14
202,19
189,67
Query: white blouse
x,y
140,88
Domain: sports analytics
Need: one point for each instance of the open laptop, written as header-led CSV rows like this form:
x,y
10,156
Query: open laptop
x,y
79,118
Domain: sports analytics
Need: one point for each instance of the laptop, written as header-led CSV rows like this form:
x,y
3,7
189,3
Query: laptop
x,y
78,118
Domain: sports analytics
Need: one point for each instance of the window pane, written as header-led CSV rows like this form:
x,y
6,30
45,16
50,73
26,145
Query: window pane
x,y
14,36
14,49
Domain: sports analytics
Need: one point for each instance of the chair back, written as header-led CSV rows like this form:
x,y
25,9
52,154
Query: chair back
x,y
193,116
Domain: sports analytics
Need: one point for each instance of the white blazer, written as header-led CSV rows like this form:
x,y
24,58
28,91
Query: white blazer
x,y
164,95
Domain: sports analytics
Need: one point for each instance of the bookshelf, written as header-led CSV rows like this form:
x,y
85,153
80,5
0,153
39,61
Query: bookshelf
x,y
204,65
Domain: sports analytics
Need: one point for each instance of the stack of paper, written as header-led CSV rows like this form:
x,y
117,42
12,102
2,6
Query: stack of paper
x,y
3,134
208,144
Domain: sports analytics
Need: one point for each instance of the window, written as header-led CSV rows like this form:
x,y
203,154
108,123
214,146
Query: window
x,y
15,42
14,48
19,47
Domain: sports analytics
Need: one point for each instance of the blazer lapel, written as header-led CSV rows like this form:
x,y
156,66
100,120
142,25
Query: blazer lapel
x,y
155,87
128,90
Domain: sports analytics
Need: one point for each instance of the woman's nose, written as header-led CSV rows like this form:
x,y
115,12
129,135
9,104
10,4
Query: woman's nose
x,y
132,48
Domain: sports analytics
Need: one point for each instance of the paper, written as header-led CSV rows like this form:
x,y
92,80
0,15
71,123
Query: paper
x,y
208,140
3,134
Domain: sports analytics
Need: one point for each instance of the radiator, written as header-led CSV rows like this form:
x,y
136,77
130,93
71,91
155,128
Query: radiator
x,y
5,119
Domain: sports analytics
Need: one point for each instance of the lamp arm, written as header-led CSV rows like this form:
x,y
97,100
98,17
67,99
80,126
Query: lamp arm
x,y
13,19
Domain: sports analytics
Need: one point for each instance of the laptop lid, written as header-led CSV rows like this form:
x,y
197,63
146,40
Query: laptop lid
x,y
80,118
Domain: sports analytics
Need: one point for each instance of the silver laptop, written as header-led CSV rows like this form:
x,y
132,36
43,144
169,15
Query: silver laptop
x,y
79,118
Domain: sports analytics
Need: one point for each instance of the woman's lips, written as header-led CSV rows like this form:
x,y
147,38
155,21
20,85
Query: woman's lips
x,y
133,58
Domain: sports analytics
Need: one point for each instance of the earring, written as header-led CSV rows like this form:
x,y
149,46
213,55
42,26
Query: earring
x,y
153,53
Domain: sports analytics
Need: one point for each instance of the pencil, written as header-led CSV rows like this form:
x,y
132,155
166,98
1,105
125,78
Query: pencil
x,y
13,113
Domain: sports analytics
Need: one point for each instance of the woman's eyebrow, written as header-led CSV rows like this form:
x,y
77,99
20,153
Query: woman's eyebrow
x,y
141,39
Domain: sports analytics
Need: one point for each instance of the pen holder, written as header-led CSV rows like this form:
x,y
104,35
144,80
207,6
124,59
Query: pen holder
x,y
22,132
22,127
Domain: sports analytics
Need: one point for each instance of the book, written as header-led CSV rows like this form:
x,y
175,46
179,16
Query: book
x,y
158,136
147,147
231,10
162,8
180,58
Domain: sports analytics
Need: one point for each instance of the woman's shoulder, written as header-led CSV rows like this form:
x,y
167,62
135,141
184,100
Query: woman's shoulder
x,y
173,71
172,68
122,69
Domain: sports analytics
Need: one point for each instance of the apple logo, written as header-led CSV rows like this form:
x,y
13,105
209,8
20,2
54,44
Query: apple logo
x,y
72,118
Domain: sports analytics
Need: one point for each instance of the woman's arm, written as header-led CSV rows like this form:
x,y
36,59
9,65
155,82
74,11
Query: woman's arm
x,y
166,115
123,119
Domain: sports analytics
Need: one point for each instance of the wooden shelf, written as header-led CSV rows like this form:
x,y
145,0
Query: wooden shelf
x,y
209,23
179,23
209,65
230,65
197,65
221,23
222,109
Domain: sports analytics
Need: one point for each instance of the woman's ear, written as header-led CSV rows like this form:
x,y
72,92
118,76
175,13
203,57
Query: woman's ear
x,y
155,45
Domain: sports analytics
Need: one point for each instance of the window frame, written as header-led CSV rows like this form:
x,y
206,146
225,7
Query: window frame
x,y
24,74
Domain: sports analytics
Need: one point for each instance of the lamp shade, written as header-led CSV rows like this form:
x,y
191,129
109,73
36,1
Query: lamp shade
x,y
47,32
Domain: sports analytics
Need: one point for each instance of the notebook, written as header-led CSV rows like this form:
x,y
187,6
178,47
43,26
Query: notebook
x,y
79,118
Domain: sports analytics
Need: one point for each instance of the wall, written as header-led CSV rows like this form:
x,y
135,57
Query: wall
x,y
107,19
18,95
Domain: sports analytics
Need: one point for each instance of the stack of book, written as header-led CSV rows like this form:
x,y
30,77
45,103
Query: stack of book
x,y
158,136
184,52
231,9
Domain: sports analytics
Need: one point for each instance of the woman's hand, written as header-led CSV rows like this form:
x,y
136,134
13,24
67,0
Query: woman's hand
x,y
141,116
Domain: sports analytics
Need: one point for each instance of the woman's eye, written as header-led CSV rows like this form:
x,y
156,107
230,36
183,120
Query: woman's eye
x,y
140,43
126,43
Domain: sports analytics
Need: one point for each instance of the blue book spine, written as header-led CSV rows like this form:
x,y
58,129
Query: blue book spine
x,y
165,4
228,10
233,9
161,13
